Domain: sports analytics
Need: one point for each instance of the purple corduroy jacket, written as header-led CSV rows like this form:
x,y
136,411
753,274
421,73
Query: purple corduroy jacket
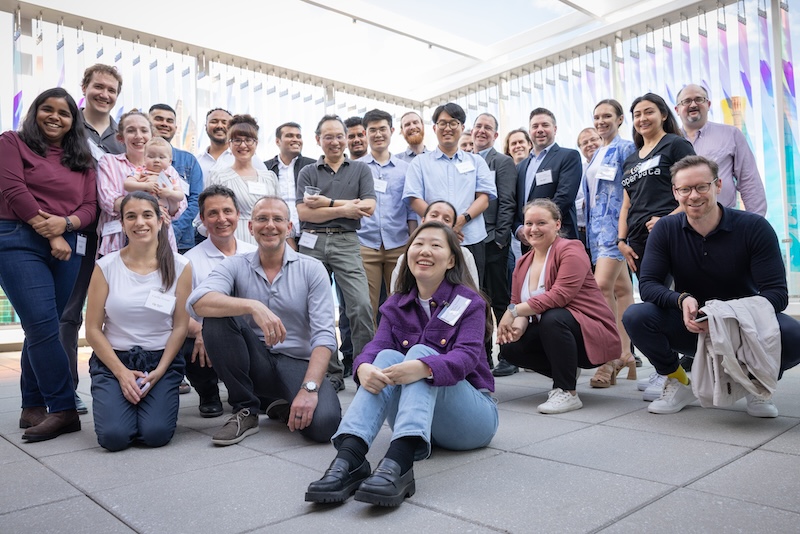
x,y
461,352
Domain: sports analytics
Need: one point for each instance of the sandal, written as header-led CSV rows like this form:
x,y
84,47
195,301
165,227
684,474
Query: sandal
x,y
629,361
605,376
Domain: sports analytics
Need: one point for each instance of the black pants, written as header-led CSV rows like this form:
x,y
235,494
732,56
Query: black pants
x,y
479,253
552,347
496,284
203,379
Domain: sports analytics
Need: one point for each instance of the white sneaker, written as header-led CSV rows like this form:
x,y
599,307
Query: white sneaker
x,y
758,406
560,401
674,396
654,379
653,391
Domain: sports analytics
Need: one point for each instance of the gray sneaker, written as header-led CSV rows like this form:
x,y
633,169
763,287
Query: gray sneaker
x,y
239,426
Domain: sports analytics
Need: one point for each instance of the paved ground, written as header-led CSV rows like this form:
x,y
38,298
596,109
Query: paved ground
x,y
610,467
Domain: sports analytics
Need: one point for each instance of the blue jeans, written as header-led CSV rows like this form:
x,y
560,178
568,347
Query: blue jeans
x,y
117,422
38,287
458,417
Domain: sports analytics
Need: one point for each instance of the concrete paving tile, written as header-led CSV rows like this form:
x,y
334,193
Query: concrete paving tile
x,y
97,469
521,429
596,408
702,513
508,392
722,426
9,453
636,454
78,514
761,477
75,441
235,497
28,483
788,442
9,389
517,493
355,516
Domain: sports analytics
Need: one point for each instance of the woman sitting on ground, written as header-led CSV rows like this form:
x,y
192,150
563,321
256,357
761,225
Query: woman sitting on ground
x,y
136,322
558,320
425,371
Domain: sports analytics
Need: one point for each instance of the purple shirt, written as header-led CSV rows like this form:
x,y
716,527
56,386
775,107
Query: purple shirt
x,y
727,146
461,351
30,182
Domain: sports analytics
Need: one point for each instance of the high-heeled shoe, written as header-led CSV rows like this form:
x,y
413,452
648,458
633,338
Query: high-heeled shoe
x,y
628,361
605,376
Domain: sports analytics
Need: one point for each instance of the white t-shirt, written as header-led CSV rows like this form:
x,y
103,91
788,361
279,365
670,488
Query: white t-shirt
x,y
128,322
206,256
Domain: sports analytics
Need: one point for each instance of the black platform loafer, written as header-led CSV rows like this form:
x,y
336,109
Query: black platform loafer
x,y
386,486
338,483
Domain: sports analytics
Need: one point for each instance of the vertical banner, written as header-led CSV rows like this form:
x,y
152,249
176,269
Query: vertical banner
x,y
188,91
37,33
744,56
650,50
576,94
669,65
122,96
17,114
81,58
605,72
686,54
636,70
702,39
172,98
154,78
550,100
776,212
60,67
724,68
138,77
619,70
563,89
591,80
790,147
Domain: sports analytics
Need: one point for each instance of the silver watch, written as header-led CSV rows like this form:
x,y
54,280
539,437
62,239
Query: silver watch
x,y
311,386
513,309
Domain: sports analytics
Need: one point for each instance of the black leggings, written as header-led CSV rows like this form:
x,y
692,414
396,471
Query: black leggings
x,y
552,347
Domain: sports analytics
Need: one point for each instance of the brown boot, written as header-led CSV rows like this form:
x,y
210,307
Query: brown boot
x,y
54,425
32,416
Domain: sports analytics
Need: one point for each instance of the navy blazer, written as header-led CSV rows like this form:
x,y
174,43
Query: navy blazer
x,y
499,216
566,169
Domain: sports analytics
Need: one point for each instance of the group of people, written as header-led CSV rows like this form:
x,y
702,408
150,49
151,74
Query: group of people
x,y
219,267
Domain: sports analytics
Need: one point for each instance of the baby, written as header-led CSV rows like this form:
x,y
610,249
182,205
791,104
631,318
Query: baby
x,y
158,177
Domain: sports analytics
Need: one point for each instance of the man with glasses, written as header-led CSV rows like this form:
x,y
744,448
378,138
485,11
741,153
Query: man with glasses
x,y
268,321
449,173
726,146
711,252
499,218
333,195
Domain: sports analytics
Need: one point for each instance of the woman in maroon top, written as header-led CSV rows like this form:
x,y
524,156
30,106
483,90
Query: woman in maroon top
x,y
47,179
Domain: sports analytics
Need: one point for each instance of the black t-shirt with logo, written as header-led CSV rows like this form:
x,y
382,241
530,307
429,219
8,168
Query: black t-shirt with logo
x,y
649,183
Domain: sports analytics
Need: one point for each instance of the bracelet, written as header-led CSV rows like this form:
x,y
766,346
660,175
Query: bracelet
x,y
681,298
331,204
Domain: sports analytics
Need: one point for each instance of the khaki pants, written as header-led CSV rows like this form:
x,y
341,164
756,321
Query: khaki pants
x,y
379,265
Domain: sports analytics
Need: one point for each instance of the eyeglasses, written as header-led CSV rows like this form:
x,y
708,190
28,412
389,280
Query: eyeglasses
x,y
696,100
452,123
700,188
249,141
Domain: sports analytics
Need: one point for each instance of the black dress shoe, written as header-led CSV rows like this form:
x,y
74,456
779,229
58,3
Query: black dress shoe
x,y
210,406
386,486
686,362
338,483
503,368
348,369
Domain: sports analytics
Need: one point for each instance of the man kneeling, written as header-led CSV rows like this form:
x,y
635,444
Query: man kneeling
x,y
712,252
268,327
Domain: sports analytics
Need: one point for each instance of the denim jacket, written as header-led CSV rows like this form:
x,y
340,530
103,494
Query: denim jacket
x,y
190,172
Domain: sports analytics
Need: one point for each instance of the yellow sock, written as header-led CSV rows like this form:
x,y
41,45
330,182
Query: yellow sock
x,y
680,376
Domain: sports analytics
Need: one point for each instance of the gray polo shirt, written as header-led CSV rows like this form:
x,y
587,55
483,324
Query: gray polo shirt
x,y
300,296
352,180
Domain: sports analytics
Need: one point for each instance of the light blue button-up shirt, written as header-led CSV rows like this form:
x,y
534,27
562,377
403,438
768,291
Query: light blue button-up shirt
x,y
387,225
300,295
434,176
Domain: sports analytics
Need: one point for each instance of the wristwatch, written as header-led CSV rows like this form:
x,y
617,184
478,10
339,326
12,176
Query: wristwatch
x,y
622,240
311,386
513,309
467,216
70,227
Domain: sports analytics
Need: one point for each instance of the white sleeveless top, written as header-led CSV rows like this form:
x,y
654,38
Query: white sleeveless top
x,y
128,322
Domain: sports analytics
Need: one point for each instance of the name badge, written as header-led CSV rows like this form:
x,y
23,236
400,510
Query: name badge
x,y
465,167
544,177
308,240
80,245
579,204
257,188
451,313
649,164
164,180
185,186
112,227
607,172
160,302
380,185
